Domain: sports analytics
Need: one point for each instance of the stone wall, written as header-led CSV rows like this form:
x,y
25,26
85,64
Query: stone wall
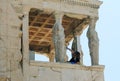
x,y
42,71
10,43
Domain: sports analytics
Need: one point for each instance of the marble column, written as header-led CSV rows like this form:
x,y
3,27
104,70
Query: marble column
x,y
59,38
25,48
93,41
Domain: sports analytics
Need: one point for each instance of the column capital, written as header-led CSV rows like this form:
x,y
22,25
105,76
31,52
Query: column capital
x,y
58,16
93,18
93,21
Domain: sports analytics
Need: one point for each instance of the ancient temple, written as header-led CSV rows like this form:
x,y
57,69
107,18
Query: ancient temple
x,y
47,27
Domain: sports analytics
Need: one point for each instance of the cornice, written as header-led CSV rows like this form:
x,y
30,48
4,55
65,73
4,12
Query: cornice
x,y
87,3
87,7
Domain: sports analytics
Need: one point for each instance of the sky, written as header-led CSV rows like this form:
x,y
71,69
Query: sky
x,y
108,28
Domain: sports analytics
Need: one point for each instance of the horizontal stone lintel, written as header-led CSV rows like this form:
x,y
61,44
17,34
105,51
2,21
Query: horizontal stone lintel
x,y
99,68
91,3
87,7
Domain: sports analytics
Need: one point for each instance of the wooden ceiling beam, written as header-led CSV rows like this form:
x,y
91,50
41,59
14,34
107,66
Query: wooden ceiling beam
x,y
40,28
45,36
35,19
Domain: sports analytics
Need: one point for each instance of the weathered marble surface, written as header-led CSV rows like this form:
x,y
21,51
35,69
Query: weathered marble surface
x,y
59,38
10,43
41,71
93,42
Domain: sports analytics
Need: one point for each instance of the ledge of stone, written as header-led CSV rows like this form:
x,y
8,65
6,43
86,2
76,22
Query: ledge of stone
x,y
67,65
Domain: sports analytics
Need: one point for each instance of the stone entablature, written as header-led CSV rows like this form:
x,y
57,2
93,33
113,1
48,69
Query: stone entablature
x,y
41,71
84,7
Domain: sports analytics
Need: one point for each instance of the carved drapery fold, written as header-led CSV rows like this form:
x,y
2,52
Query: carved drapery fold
x,y
93,42
59,38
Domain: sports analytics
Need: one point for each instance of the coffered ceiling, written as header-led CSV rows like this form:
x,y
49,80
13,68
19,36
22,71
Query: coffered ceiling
x,y
40,29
